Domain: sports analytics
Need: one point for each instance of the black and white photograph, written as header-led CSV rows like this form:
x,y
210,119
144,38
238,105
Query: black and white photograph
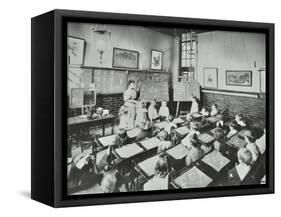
x,y
164,108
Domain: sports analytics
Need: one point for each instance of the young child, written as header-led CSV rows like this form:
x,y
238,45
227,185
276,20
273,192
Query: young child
x,y
170,124
121,138
164,111
239,172
193,130
160,180
240,120
163,145
195,105
109,182
204,111
195,152
233,129
141,115
251,145
219,143
261,142
214,110
123,117
152,112
146,130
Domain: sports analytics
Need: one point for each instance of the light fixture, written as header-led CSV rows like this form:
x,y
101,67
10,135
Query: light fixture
x,y
102,35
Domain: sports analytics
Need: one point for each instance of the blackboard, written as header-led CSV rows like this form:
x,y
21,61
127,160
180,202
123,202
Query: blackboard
x,y
110,81
184,90
155,90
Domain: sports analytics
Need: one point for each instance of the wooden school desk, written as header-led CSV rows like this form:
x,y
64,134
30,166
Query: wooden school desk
x,y
215,160
191,178
150,143
128,151
106,140
75,124
237,141
181,131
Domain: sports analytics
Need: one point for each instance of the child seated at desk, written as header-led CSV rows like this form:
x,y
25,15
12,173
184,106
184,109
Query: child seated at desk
x,y
195,105
121,138
261,142
193,130
238,173
109,182
214,110
152,112
146,130
233,129
219,143
141,115
195,152
164,111
240,121
170,124
160,180
251,145
204,111
164,144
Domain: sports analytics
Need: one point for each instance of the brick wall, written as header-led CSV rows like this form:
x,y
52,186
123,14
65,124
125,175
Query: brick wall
x,y
253,109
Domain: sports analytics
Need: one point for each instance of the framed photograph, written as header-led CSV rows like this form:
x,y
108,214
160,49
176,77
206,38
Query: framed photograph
x,y
262,80
156,60
101,149
75,50
238,78
210,77
123,58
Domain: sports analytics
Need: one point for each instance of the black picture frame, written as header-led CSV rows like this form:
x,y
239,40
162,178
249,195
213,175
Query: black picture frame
x,y
236,83
82,54
115,65
204,76
49,119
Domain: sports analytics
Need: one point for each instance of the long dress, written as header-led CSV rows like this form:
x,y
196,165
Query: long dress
x,y
129,97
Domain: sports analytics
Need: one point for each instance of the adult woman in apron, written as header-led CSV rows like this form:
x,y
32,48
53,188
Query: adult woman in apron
x,y
130,99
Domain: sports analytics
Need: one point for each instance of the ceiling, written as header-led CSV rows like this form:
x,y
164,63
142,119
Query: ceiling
x,y
175,32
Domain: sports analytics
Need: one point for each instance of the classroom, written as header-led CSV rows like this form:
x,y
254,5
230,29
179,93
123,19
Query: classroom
x,y
159,108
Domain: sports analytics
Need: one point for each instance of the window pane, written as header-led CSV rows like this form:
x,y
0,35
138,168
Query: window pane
x,y
183,46
183,63
183,37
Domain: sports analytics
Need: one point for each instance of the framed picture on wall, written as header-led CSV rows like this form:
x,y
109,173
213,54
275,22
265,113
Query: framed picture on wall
x,y
75,50
123,58
238,78
156,60
262,80
104,157
210,76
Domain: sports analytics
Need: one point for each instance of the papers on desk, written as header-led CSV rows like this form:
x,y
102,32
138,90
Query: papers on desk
x,y
150,143
83,116
148,165
212,119
80,164
129,150
107,140
133,132
206,138
178,121
182,131
161,125
216,160
237,141
178,152
196,115
242,132
193,178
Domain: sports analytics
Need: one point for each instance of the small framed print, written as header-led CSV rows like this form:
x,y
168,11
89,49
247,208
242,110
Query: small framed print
x,y
210,77
156,60
238,78
262,80
75,50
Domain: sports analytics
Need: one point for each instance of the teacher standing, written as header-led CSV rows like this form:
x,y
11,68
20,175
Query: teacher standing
x,y
130,98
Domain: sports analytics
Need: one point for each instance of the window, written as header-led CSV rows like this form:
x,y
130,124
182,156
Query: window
x,y
188,52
